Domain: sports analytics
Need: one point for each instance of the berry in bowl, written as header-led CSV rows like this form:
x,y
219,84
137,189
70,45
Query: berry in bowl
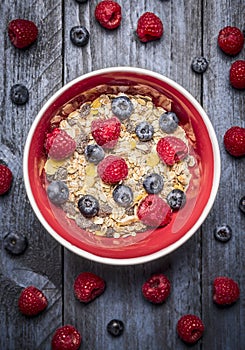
x,y
121,165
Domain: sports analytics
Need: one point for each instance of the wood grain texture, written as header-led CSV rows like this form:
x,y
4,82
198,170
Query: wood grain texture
x,y
190,29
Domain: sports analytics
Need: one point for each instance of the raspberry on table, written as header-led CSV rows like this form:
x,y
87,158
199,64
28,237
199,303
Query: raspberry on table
x,y
66,338
88,286
234,141
6,178
230,40
190,328
112,169
171,149
22,32
59,145
154,212
108,14
157,288
237,74
32,301
149,27
225,290
106,132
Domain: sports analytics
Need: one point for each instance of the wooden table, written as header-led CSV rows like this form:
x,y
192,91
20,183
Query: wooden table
x,y
191,28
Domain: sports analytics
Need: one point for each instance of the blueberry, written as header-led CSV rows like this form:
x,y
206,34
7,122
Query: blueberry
x,y
79,36
15,243
123,195
199,64
94,153
19,94
168,122
144,131
122,107
176,199
58,192
242,204
115,327
153,183
223,233
88,206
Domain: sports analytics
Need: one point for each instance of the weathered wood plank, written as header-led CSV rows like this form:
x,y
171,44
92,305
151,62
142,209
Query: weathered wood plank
x,y
40,69
147,326
225,107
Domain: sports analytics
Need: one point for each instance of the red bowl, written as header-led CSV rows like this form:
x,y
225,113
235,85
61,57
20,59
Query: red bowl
x,y
201,194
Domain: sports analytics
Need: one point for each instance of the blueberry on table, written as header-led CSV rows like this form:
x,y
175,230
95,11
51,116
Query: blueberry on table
x,y
15,243
115,327
122,107
168,122
242,204
79,36
223,233
58,192
144,131
153,183
123,195
176,199
88,206
19,94
94,153
199,64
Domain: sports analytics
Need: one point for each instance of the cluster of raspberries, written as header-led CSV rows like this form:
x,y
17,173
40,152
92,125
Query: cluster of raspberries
x,y
108,14
156,289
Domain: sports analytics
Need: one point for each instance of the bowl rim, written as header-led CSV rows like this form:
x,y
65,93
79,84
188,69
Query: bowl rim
x,y
202,217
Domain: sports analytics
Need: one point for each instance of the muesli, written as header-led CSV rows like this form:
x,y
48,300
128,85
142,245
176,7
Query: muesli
x,y
118,164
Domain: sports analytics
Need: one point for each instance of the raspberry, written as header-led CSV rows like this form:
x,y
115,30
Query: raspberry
x,y
149,27
153,211
32,301
106,132
6,178
88,286
156,289
234,141
225,291
237,74
108,14
112,169
59,145
66,338
190,328
171,149
231,40
22,32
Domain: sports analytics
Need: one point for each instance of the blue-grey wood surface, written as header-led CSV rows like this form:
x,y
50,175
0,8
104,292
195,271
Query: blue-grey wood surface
x,y
191,28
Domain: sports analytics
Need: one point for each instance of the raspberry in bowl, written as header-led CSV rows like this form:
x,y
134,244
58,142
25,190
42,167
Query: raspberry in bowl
x,y
121,165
